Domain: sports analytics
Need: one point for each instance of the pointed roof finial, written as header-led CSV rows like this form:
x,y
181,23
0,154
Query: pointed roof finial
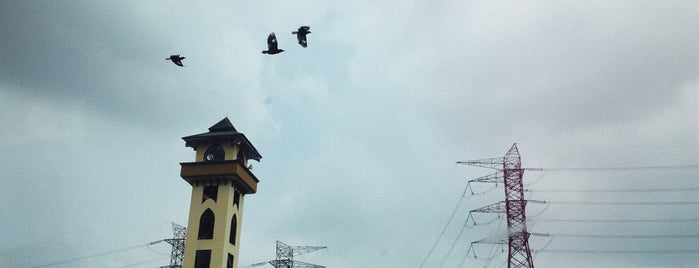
x,y
223,125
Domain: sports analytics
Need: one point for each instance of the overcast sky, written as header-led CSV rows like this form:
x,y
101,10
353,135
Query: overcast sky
x,y
359,132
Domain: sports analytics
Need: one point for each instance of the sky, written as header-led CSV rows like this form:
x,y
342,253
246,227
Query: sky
x,y
359,132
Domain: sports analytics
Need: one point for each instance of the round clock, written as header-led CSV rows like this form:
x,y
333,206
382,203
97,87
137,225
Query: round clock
x,y
214,153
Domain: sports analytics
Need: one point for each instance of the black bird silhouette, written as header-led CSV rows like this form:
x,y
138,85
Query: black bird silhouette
x,y
272,45
176,59
301,35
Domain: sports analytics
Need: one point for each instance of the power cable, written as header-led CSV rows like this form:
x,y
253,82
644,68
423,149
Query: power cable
x,y
624,203
144,262
623,236
540,212
451,182
574,251
536,180
543,248
616,220
612,190
157,252
614,168
443,231
448,221
479,193
453,245
96,255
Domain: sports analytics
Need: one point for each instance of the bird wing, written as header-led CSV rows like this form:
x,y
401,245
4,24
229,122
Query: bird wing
x,y
272,42
301,35
302,39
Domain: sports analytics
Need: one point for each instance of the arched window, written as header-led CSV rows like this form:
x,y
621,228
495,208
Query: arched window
x,y
234,230
202,259
210,192
206,225
214,153
241,157
236,198
229,263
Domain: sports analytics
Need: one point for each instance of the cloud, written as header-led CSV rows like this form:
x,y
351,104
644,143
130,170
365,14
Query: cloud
x,y
359,132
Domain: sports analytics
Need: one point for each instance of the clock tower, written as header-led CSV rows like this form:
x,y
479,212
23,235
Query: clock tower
x,y
220,179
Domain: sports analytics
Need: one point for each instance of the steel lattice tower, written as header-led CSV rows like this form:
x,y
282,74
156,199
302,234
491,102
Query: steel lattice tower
x,y
510,172
286,253
177,243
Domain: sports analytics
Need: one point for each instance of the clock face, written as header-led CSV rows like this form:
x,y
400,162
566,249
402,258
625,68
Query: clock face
x,y
214,153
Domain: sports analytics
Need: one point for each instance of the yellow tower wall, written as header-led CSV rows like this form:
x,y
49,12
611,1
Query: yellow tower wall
x,y
223,210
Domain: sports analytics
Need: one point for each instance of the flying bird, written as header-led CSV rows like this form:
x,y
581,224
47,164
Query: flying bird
x,y
176,59
272,47
301,35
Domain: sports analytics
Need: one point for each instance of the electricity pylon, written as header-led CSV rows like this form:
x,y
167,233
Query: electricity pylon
x,y
177,242
509,172
285,256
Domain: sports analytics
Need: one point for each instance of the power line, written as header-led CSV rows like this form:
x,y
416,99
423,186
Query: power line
x,y
443,231
624,203
453,245
453,213
614,168
622,236
616,220
96,255
144,262
575,251
637,190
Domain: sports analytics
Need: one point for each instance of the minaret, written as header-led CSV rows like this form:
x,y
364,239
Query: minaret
x,y
220,179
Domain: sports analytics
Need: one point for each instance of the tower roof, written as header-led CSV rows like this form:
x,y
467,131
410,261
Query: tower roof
x,y
223,131
223,125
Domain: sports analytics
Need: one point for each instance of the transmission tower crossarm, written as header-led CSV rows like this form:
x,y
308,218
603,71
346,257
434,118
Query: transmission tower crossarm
x,y
494,163
282,263
300,250
540,234
492,178
259,264
501,207
301,264
490,241
293,264
498,207
536,201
